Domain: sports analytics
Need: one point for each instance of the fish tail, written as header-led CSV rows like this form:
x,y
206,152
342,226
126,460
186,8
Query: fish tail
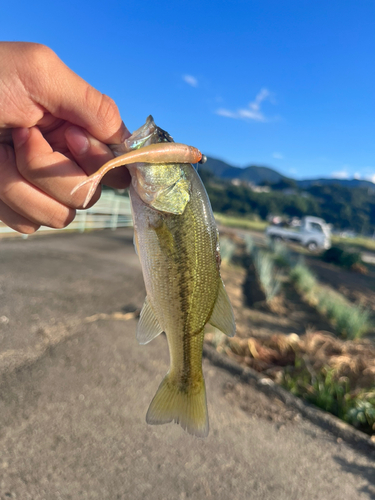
x,y
186,406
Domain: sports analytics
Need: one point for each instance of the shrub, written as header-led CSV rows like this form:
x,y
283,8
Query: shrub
x,y
362,414
340,257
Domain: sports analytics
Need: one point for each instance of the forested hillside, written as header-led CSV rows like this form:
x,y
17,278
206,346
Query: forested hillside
x,y
345,207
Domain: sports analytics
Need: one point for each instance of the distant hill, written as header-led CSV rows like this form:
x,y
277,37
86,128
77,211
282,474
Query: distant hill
x,y
253,174
306,183
258,175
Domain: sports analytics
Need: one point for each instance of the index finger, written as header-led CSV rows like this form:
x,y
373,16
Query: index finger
x,y
63,93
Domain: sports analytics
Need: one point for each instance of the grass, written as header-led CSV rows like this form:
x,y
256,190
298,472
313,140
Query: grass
x,y
249,243
349,320
241,222
360,242
303,279
280,253
267,273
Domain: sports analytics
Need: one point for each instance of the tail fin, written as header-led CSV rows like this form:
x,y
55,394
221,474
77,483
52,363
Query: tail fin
x,y
187,408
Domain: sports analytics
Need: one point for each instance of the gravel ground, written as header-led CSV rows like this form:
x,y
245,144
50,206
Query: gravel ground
x,y
75,387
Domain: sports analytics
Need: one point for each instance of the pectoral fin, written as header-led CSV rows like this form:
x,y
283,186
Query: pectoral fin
x,y
222,316
173,199
148,326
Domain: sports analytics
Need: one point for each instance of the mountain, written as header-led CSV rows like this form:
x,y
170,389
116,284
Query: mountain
x,y
306,183
258,175
253,174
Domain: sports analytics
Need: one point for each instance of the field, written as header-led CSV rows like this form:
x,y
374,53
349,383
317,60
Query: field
x,y
317,341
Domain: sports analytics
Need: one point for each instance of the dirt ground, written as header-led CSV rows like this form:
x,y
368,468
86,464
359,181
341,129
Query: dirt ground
x,y
271,337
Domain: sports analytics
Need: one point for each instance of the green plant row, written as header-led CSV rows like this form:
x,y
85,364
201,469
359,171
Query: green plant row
x,y
350,321
267,273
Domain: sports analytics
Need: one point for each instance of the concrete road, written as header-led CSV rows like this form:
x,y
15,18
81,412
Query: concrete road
x,y
74,393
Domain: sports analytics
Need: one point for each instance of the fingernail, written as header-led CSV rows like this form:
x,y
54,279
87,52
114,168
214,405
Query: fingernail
x,y
20,136
124,132
77,140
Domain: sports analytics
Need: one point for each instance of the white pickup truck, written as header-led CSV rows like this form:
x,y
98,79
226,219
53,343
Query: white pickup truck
x,y
313,234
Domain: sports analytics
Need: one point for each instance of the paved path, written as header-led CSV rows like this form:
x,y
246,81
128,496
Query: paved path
x,y
74,394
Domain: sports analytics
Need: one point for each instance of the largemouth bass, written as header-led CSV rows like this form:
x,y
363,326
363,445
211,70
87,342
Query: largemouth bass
x,y
176,239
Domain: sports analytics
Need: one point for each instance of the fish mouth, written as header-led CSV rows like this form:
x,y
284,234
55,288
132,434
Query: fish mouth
x,y
149,133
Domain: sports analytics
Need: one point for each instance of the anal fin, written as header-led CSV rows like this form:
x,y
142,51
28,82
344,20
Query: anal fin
x,y
148,326
222,316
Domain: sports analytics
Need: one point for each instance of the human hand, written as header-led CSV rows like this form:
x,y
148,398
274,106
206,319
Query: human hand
x,y
54,131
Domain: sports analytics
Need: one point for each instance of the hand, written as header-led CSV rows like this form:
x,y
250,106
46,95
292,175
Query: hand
x,y
54,131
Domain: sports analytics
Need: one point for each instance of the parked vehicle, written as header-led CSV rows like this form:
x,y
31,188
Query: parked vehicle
x,y
313,233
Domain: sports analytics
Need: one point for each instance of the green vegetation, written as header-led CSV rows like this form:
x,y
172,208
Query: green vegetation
x,y
362,414
342,257
349,320
280,253
303,279
241,222
249,243
332,393
359,243
267,273
344,207
227,249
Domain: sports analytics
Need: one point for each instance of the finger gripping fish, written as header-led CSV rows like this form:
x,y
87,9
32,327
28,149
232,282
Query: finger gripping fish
x,y
176,239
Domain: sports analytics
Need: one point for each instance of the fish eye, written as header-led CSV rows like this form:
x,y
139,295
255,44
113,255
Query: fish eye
x,y
203,159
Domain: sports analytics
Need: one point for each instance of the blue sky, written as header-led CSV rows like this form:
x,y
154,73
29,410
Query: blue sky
x,y
287,84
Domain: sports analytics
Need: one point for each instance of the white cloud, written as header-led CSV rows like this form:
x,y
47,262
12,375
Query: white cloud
x,y
278,156
253,111
370,178
190,80
225,112
357,176
340,174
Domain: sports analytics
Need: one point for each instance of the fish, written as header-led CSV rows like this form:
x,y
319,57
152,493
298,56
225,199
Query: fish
x,y
177,241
